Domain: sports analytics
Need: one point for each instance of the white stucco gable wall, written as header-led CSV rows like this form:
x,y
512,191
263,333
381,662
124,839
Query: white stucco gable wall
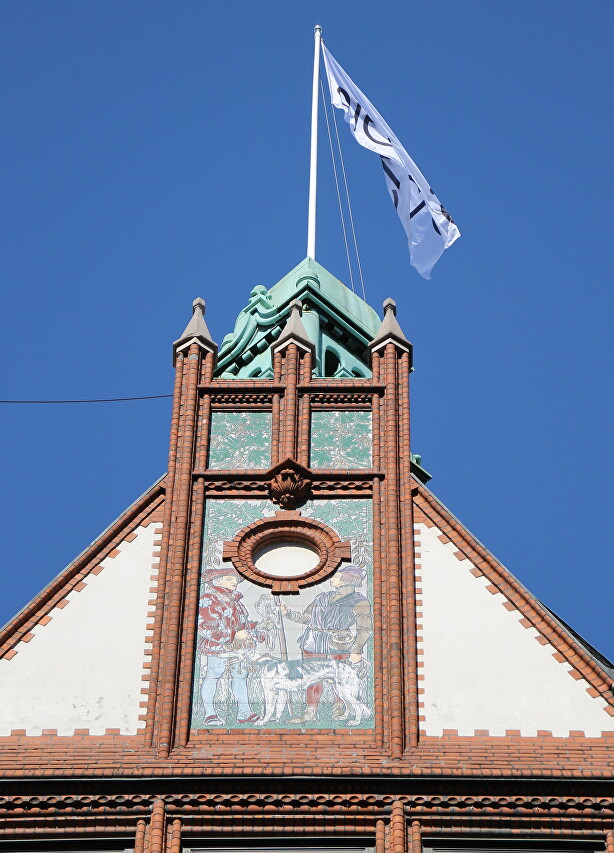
x,y
83,669
482,669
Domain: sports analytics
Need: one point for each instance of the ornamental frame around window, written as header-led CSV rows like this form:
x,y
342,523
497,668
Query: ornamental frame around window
x,y
286,526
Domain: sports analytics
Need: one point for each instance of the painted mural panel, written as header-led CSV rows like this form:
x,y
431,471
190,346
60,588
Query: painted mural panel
x,y
341,439
240,440
290,661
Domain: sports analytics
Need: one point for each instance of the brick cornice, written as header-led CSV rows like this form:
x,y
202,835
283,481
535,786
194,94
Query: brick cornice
x,y
263,810
420,803
266,752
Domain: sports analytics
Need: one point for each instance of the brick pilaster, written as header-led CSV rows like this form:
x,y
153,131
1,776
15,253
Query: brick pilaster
x,y
393,641
192,572
174,837
276,426
398,829
304,410
408,582
290,401
416,837
380,837
139,838
179,528
155,839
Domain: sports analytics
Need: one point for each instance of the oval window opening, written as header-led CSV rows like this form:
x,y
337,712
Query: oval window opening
x,y
286,559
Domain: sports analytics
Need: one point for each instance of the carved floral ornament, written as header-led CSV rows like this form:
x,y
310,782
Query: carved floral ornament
x,y
289,483
260,552
288,488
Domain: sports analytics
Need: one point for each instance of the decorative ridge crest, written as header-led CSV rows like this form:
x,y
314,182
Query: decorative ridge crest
x,y
330,308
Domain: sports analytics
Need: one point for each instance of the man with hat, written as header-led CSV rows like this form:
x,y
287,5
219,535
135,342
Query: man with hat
x,y
339,623
224,630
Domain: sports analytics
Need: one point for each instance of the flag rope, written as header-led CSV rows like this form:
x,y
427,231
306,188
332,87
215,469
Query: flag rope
x,y
332,157
347,194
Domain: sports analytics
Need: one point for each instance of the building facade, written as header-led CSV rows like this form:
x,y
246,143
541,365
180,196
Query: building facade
x,y
288,641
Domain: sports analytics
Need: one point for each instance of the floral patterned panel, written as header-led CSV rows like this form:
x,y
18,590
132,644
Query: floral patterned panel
x,y
240,440
341,439
291,661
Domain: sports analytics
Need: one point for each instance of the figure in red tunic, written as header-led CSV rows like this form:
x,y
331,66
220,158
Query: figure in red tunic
x,y
224,631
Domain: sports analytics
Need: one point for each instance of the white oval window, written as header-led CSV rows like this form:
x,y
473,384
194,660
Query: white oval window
x,y
286,559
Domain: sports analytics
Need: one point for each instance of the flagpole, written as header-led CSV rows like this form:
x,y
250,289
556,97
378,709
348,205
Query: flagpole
x,y
313,162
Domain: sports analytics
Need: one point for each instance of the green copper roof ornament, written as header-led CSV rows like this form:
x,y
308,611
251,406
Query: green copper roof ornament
x,y
338,322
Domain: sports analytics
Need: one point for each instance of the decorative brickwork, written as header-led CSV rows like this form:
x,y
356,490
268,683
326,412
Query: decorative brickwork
x,y
409,767
285,526
397,821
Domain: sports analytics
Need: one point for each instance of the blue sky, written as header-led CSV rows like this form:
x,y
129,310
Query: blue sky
x,y
154,152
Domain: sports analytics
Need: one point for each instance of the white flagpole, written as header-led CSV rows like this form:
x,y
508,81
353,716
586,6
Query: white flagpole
x,y
313,163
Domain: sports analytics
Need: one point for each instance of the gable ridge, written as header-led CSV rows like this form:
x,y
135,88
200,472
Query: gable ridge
x,y
568,648
37,611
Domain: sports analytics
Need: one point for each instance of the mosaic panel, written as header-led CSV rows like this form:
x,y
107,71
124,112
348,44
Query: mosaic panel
x,y
294,661
341,439
240,440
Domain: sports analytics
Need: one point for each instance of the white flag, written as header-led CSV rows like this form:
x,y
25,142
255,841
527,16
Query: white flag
x,y
429,227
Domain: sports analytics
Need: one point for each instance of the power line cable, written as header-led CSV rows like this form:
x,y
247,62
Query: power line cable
x,y
347,194
332,156
101,400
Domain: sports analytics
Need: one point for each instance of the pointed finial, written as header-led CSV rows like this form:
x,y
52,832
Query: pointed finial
x,y
390,305
390,329
294,331
196,330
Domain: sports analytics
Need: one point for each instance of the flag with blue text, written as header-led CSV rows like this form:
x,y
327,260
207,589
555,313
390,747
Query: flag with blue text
x,y
429,227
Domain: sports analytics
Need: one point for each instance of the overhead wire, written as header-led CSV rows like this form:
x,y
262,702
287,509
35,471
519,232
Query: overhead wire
x,y
332,156
100,400
347,253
